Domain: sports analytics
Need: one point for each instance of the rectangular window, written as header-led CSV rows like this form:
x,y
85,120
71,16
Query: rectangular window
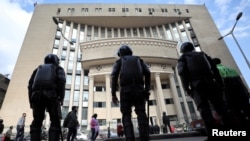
x,y
152,102
102,32
96,33
115,32
141,32
99,104
138,10
111,9
85,10
125,10
169,101
128,32
109,32
122,32
98,9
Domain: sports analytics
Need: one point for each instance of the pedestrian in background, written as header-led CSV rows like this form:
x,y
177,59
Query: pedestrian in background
x,y
120,130
7,136
20,128
166,123
72,124
134,76
94,127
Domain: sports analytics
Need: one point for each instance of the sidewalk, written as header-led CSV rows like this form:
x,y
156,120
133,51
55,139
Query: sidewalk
x,y
163,136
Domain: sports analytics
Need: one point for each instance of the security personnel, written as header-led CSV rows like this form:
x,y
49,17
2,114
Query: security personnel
x,y
236,94
133,92
204,89
49,99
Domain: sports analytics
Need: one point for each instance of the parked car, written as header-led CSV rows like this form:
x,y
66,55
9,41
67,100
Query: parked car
x,y
81,136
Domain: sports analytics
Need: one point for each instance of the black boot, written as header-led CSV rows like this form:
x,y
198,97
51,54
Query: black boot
x,y
54,134
35,134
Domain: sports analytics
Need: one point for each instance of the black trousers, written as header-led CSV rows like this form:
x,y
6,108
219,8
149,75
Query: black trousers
x,y
42,103
130,97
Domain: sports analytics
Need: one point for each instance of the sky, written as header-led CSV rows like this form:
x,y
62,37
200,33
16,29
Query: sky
x,y
15,16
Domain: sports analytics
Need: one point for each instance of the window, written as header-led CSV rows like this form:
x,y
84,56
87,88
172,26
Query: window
x,y
141,31
152,102
148,32
135,32
96,33
138,10
165,86
71,10
102,122
125,10
154,30
99,89
115,32
164,10
151,10
122,32
169,101
76,96
111,9
58,10
102,32
109,32
128,32
187,10
85,10
99,104
98,9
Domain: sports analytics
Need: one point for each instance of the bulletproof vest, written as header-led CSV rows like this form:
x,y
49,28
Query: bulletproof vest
x,y
45,77
131,70
198,65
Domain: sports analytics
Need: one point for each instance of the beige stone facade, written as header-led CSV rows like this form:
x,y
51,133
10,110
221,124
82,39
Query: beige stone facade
x,y
153,31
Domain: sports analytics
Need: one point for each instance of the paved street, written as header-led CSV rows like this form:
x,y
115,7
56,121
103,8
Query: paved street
x,y
200,138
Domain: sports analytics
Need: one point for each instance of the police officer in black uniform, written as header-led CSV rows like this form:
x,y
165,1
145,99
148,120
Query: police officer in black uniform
x,y
204,89
132,94
47,99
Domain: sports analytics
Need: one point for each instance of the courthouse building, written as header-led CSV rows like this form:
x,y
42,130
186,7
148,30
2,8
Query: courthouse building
x,y
96,31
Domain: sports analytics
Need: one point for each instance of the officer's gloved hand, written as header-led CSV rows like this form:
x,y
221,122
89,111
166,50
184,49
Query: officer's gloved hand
x,y
115,99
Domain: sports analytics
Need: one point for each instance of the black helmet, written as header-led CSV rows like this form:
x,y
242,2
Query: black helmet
x,y
187,47
51,59
216,61
124,50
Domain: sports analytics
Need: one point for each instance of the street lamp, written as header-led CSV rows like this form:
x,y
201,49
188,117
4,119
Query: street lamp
x,y
56,22
231,32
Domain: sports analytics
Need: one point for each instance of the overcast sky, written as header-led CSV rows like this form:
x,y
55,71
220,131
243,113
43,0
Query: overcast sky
x,y
15,16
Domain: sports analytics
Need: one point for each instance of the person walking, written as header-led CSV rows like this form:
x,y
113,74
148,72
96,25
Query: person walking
x,y
134,77
94,127
7,136
73,124
201,80
46,91
166,123
20,128
119,130
236,95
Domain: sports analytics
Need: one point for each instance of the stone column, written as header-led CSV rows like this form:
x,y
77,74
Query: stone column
x,y
160,99
91,99
177,103
108,97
